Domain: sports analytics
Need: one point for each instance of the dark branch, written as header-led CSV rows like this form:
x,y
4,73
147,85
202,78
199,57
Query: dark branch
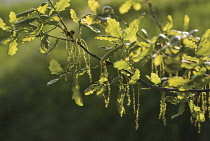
x,y
141,80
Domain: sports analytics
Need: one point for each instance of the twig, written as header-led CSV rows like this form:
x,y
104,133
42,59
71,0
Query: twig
x,y
154,15
141,80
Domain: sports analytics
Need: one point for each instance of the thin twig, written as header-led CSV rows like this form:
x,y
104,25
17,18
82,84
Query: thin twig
x,y
141,80
154,15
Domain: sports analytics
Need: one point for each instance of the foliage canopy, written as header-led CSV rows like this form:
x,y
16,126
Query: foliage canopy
x,y
180,61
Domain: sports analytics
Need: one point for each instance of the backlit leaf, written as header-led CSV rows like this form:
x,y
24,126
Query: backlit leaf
x,y
204,46
177,81
132,29
155,78
12,17
74,15
106,37
77,96
42,9
93,4
135,77
136,6
55,67
125,7
62,5
3,25
13,47
121,65
186,22
113,28
169,24
93,28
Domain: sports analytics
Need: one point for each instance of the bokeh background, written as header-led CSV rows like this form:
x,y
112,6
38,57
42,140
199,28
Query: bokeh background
x,y
29,110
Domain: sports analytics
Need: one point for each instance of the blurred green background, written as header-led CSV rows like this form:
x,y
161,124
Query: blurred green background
x,y
29,110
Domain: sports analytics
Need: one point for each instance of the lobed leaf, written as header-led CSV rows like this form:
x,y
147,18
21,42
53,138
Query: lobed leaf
x,y
74,15
155,78
135,77
13,47
42,8
177,81
120,65
169,24
3,25
125,7
12,17
62,5
93,4
55,67
113,28
132,30
204,46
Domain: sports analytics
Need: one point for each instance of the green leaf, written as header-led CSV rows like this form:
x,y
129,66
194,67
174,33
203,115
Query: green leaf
x,y
42,9
62,5
91,89
74,15
113,28
13,47
125,7
155,78
186,22
55,67
135,77
177,81
12,17
107,38
93,4
120,65
77,96
132,29
3,25
169,24
204,46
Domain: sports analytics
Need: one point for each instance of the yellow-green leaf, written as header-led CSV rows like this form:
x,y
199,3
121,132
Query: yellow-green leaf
x,y
106,37
74,15
55,67
42,9
113,28
121,65
93,4
125,7
135,77
132,29
204,46
155,78
62,5
77,96
136,6
186,22
13,47
169,24
3,25
12,17
177,81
